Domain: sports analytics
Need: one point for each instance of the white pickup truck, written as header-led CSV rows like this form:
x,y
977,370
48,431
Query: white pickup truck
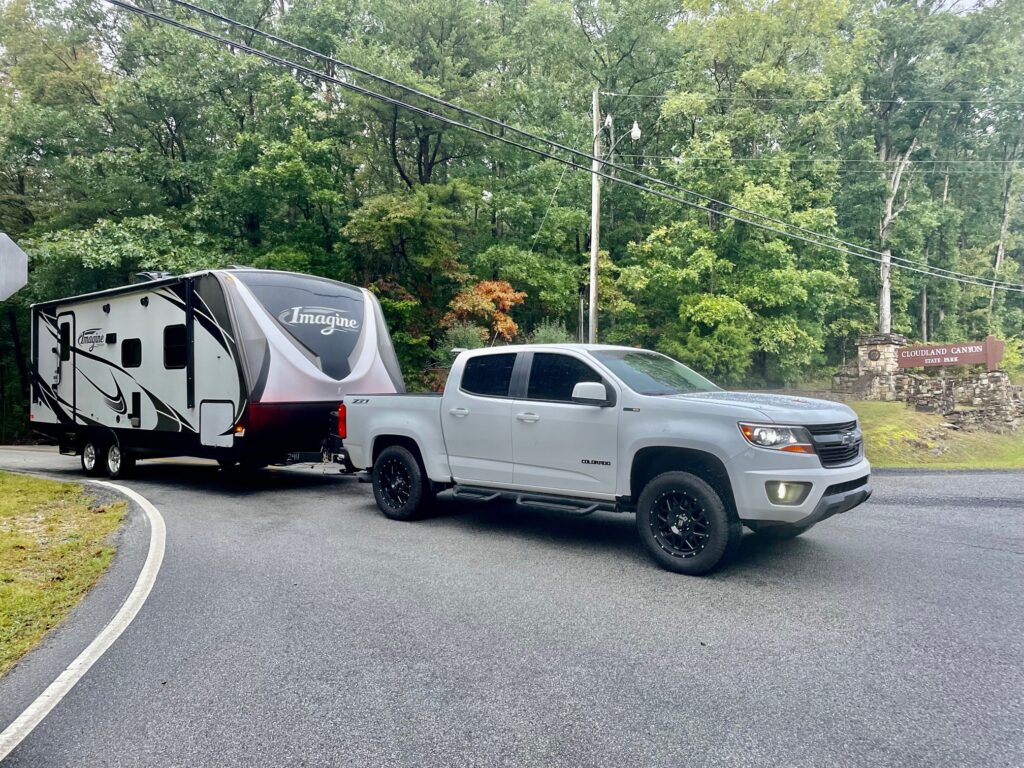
x,y
590,427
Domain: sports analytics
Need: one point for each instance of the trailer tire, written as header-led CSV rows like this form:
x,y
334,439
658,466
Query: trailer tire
x,y
684,524
93,458
118,462
400,485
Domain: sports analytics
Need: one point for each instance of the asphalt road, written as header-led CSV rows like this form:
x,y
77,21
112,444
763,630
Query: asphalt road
x,y
291,624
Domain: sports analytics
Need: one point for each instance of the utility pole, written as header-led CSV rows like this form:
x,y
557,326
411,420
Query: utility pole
x,y
595,217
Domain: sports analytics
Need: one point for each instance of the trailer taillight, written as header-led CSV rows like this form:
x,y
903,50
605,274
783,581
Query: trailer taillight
x,y
342,424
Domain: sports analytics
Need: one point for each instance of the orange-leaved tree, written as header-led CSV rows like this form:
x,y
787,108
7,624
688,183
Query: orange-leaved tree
x,y
490,301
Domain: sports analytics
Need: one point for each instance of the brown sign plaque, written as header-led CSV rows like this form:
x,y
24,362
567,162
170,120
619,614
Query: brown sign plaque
x,y
989,352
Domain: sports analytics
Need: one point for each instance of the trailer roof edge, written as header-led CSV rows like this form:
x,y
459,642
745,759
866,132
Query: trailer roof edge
x,y
150,284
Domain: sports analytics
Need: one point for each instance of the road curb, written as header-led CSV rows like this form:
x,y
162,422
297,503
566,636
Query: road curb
x,y
34,714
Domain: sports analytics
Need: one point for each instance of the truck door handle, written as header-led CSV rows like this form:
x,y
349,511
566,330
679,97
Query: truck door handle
x,y
528,417
460,412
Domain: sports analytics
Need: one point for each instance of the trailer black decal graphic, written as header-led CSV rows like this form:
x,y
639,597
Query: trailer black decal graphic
x,y
116,403
91,337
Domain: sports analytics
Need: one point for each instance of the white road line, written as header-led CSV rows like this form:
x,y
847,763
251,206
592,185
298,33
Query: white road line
x,y
58,689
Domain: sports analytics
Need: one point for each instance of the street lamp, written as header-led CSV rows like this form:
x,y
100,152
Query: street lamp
x,y
595,203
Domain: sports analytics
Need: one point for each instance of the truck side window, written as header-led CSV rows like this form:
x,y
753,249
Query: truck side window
x,y
488,375
131,353
553,376
175,352
65,342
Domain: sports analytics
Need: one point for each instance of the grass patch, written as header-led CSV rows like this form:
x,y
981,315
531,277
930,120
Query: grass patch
x,y
53,548
900,437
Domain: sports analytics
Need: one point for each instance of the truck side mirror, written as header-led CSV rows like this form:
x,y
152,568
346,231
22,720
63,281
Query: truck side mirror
x,y
590,393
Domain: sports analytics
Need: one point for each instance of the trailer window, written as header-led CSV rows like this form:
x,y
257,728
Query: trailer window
x,y
131,353
65,342
488,375
175,347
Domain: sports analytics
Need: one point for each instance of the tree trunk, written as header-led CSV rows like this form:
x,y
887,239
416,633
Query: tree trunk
x,y
885,292
889,216
924,313
1004,229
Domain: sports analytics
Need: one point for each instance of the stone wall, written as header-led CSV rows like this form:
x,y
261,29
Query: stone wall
x,y
985,399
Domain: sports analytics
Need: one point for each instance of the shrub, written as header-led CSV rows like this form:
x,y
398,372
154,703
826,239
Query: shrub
x,y
459,335
550,332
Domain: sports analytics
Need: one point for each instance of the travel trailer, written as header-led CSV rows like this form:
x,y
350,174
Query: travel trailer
x,y
245,366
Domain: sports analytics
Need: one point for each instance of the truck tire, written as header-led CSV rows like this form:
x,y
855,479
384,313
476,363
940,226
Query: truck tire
x,y
117,462
93,458
684,524
400,484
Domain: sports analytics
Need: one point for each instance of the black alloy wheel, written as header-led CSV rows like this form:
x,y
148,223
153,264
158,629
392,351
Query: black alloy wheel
x,y
395,482
684,524
680,524
399,484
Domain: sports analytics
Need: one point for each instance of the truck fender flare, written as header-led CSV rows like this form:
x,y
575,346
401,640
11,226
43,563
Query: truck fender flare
x,y
381,441
650,461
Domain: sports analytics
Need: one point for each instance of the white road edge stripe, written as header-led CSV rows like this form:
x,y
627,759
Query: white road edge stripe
x,y
58,689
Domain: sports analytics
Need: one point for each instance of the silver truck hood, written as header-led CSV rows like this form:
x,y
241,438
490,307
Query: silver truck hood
x,y
779,408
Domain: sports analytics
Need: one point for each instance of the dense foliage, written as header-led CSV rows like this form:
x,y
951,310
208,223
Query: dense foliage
x,y
899,125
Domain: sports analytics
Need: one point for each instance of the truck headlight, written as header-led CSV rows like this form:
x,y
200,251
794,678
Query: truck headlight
x,y
778,437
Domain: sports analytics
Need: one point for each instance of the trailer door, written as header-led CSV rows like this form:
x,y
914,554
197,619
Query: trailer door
x,y
64,379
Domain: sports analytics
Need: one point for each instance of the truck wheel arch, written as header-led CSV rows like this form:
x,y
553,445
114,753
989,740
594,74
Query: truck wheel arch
x,y
380,442
650,462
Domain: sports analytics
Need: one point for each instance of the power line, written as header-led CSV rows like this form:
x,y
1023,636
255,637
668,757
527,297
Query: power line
x,y
296,67
775,159
578,153
808,100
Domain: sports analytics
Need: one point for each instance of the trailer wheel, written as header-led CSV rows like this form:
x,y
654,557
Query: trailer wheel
x,y
684,525
119,463
399,484
92,458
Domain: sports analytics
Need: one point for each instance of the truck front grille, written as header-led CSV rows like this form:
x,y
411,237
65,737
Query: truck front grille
x,y
837,444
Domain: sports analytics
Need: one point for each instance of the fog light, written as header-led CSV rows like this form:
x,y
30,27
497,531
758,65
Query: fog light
x,y
787,493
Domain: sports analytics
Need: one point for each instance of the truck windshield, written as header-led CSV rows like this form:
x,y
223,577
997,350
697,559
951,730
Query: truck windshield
x,y
649,373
